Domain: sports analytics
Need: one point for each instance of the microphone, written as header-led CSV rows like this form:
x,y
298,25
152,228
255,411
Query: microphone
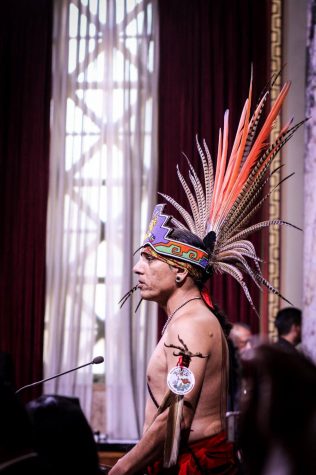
x,y
96,360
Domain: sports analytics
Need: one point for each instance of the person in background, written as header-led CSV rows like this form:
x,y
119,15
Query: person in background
x,y
277,423
288,323
63,436
242,340
18,454
241,337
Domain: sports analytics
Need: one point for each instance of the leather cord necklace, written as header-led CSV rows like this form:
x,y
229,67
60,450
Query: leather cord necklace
x,y
178,308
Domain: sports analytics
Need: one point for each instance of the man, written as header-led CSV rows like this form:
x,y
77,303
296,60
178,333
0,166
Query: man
x,y
176,287
288,323
185,429
279,411
241,337
18,453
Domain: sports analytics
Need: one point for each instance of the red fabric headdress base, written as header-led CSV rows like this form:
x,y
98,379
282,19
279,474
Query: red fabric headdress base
x,y
206,297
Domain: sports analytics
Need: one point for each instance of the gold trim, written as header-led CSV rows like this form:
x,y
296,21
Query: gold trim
x,y
274,201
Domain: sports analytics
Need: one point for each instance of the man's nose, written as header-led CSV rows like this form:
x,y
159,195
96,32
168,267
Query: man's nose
x,y
137,269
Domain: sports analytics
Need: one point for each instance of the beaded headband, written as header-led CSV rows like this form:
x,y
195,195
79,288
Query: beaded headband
x,y
158,238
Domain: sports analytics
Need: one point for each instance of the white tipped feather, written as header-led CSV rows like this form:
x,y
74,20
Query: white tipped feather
x,y
173,435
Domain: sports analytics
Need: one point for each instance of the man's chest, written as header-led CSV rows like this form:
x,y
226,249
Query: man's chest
x,y
157,370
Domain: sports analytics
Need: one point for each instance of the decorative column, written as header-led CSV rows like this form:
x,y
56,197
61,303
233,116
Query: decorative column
x,y
273,301
309,299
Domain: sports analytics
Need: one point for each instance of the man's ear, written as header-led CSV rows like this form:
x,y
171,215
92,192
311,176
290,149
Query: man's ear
x,y
298,328
181,274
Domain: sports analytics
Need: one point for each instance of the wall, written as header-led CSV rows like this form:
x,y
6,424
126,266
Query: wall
x,y
292,194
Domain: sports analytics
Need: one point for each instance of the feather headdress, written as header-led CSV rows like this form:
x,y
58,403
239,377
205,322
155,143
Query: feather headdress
x,y
221,208
223,205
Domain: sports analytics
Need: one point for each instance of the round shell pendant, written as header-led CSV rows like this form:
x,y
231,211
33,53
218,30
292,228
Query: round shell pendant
x,y
180,380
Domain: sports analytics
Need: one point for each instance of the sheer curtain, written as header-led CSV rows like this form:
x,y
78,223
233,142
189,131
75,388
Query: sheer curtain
x,y
102,188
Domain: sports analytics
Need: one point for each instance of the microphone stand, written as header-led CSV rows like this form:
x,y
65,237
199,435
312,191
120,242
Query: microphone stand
x,y
96,360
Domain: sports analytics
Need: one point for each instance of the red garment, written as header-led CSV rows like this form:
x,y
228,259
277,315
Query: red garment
x,y
211,455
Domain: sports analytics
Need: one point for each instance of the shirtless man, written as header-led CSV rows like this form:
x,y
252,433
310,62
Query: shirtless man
x,y
172,286
177,258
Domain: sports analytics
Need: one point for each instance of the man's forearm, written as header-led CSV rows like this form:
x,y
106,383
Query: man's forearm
x,y
149,448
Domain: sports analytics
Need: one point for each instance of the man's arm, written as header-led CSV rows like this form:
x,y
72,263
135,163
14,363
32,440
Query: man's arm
x,y
149,448
194,338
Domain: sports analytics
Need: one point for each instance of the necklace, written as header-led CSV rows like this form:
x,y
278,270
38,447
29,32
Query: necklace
x,y
178,308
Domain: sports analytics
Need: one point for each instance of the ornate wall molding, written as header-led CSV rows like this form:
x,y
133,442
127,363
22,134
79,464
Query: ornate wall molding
x,y
274,201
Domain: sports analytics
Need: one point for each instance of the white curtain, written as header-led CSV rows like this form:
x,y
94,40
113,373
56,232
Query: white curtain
x,y
130,337
102,190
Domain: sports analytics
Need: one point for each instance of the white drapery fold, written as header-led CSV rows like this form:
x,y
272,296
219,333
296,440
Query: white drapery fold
x,y
130,336
103,169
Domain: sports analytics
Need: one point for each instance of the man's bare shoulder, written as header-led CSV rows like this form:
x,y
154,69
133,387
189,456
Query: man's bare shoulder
x,y
198,318
200,326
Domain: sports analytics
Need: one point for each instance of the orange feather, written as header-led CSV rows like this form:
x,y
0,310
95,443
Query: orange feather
x,y
258,145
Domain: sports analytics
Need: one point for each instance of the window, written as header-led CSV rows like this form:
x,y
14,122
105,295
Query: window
x,y
102,100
